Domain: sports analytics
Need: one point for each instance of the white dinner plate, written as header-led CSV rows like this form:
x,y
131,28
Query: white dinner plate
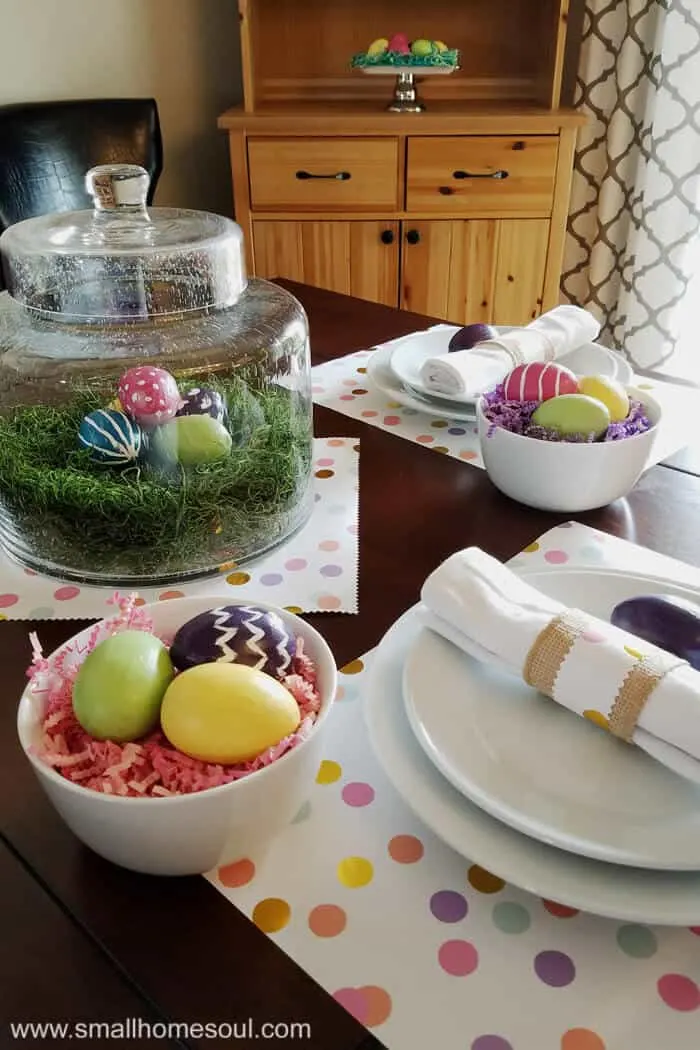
x,y
379,373
540,768
628,894
410,354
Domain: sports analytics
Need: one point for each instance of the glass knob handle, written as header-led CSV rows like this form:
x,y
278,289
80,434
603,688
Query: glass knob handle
x,y
118,187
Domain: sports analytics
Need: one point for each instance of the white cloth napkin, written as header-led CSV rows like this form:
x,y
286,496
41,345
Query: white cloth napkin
x,y
489,612
470,373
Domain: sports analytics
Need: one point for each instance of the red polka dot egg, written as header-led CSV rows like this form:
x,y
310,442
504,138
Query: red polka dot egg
x,y
149,395
539,382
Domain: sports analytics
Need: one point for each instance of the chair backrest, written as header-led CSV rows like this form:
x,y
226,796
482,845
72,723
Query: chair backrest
x,y
46,148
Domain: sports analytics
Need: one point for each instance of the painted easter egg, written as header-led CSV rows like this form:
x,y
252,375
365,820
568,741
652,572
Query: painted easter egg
x,y
610,392
120,685
227,713
149,395
573,415
241,634
110,437
666,620
539,381
190,440
399,44
201,401
470,335
422,48
378,47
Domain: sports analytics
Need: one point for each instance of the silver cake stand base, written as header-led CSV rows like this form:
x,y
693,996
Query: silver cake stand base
x,y
406,98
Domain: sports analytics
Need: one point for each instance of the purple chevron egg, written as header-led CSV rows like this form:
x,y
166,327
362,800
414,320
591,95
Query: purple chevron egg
x,y
242,634
201,401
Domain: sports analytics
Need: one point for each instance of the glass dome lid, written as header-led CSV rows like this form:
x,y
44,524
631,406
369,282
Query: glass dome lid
x,y
121,261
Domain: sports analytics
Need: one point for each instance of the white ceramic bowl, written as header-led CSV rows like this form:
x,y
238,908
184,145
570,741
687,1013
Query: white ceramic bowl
x,y
562,476
191,834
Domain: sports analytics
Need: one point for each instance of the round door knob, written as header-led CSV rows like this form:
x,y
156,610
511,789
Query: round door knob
x,y
413,237
387,236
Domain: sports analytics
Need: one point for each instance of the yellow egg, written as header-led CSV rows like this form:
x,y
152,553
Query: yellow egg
x,y
610,392
378,47
227,712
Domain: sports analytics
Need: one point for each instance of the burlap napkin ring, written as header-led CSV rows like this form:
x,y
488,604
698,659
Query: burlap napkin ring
x,y
552,647
508,345
638,685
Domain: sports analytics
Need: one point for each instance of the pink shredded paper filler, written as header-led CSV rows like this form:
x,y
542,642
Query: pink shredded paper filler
x,y
150,767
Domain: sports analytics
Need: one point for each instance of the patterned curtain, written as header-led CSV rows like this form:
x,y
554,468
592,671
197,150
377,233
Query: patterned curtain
x,y
634,223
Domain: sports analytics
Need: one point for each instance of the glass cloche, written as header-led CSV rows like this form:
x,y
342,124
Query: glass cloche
x,y
155,404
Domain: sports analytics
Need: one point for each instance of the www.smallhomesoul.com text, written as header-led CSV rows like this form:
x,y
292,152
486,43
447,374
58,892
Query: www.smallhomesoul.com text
x,y
139,1028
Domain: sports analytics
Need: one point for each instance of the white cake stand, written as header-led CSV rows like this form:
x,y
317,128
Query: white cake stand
x,y
405,98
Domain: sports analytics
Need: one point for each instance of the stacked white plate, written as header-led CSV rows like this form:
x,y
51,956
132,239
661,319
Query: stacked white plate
x,y
526,789
395,369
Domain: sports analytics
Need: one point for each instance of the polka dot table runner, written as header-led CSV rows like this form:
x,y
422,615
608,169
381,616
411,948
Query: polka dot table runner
x,y
426,948
344,386
314,571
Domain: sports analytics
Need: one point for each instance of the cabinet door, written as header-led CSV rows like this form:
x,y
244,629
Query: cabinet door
x,y
464,271
357,258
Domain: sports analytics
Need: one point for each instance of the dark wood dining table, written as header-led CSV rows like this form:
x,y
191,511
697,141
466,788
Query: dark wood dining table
x,y
85,940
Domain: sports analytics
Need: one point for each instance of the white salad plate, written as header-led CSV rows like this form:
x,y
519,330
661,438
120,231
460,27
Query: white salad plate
x,y
410,354
540,768
624,893
417,71
379,373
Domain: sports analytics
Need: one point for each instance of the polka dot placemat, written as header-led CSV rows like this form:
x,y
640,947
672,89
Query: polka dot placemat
x,y
427,948
344,386
314,571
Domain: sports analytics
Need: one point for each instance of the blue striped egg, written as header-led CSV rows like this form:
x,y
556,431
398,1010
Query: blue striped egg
x,y
110,436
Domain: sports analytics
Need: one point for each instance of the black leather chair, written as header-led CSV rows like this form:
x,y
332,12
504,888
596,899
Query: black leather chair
x,y
46,148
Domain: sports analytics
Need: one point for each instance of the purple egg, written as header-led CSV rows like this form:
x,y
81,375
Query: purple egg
x,y
241,634
202,401
469,336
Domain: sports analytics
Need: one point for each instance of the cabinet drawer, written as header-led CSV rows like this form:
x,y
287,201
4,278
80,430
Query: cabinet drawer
x,y
324,174
482,176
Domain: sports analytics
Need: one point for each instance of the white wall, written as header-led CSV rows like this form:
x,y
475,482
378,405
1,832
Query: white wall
x,y
184,53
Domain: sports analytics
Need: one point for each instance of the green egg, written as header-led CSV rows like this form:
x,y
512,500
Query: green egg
x,y
190,440
120,686
573,414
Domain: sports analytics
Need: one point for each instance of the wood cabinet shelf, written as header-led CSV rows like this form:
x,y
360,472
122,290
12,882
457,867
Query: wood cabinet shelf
x,y
459,211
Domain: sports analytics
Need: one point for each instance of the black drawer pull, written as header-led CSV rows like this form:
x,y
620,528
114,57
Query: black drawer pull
x,y
413,237
340,176
501,174
387,236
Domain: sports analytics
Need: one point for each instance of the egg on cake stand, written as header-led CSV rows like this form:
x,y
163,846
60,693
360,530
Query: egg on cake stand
x,y
405,60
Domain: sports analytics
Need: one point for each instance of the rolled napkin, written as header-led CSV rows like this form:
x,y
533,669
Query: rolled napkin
x,y
585,664
470,373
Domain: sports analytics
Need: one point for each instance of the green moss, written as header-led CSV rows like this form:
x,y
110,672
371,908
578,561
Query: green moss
x,y
149,520
412,62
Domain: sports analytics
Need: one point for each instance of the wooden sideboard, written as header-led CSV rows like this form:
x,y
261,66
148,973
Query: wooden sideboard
x,y
459,211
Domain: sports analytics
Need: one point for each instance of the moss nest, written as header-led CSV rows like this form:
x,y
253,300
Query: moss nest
x,y
63,513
